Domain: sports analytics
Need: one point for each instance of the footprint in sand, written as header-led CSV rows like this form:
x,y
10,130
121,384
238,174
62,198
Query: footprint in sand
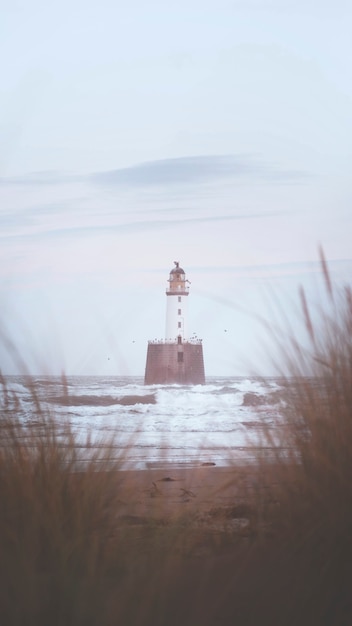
x,y
187,492
155,491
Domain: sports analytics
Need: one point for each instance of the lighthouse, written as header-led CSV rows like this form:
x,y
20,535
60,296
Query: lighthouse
x,y
177,358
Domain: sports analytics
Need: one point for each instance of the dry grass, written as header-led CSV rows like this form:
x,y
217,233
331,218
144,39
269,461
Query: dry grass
x,y
56,524
313,522
69,554
319,411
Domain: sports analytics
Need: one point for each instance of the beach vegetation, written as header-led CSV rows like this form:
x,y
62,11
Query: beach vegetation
x,y
85,542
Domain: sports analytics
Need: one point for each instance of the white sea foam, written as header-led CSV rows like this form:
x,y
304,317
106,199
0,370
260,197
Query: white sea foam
x,y
188,424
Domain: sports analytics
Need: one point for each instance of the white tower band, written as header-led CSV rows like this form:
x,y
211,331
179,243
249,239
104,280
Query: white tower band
x,y
176,305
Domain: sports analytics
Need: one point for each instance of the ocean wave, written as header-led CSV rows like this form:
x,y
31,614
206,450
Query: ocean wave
x,y
155,421
90,400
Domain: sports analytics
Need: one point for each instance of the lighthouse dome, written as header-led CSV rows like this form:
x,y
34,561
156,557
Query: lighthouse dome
x,y
177,271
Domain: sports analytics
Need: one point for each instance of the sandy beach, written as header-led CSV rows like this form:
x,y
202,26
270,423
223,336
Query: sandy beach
x,y
205,494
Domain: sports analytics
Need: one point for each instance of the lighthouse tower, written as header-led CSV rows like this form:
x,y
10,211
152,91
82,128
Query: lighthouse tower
x,y
176,304
177,358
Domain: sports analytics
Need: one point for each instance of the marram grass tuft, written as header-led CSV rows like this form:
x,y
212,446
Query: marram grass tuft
x,y
280,555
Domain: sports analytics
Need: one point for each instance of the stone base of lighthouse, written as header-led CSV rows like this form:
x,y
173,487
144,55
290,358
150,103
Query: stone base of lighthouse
x,y
172,362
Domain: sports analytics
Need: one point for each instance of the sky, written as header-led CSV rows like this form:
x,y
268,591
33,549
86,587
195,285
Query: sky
x,y
216,133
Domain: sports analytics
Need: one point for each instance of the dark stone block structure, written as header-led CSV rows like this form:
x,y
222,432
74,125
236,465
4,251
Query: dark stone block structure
x,y
180,363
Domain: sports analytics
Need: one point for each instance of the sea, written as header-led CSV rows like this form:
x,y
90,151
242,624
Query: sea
x,y
225,421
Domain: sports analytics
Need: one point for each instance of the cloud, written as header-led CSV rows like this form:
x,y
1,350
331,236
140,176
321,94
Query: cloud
x,y
292,6
168,173
120,227
195,170
40,178
338,269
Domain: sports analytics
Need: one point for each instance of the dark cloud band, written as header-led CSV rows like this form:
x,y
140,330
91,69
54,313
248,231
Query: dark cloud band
x,y
193,170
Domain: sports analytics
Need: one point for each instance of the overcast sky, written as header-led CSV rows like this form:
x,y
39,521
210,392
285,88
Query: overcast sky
x,y
217,133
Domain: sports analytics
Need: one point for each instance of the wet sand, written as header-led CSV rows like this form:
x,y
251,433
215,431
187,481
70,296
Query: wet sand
x,y
171,491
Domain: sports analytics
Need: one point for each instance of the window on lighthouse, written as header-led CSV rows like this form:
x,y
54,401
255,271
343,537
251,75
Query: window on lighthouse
x,y
179,298
179,325
179,312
